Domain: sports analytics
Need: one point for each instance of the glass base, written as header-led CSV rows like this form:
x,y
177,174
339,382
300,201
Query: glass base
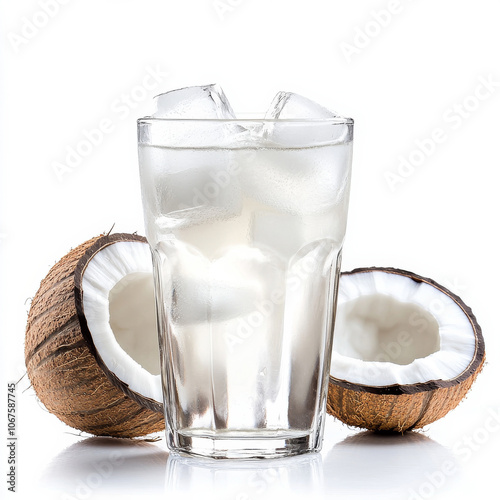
x,y
245,445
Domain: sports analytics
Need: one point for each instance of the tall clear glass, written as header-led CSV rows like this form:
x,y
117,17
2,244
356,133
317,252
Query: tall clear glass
x,y
246,220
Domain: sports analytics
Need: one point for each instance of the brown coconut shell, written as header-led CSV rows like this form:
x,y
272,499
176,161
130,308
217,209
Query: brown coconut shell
x,y
400,408
64,368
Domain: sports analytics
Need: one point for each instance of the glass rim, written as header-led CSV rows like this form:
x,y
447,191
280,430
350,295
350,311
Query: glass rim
x,y
340,120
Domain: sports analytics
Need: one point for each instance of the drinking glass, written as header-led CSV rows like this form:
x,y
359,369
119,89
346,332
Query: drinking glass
x,y
246,221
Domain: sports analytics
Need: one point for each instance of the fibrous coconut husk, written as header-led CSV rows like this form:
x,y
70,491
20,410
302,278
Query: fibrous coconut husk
x,y
63,366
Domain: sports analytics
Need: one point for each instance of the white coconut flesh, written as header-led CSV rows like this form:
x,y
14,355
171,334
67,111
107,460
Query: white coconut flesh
x,y
392,330
118,301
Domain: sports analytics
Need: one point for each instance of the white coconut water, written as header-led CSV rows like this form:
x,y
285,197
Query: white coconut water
x,y
245,242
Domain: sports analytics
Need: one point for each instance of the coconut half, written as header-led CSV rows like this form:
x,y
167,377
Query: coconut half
x,y
406,350
91,346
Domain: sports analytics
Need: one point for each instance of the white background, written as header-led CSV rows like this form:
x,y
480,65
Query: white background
x,y
410,75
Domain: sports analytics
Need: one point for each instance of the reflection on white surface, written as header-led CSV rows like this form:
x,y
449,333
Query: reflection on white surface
x,y
364,465
375,465
292,477
100,467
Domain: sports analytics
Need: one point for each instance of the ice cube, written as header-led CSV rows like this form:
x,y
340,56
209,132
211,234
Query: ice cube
x,y
329,128
197,104
288,235
231,286
199,300
188,187
289,106
298,181
204,102
195,197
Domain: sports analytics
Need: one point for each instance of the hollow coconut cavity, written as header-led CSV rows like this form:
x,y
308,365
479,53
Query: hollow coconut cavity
x,y
91,344
406,350
116,305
